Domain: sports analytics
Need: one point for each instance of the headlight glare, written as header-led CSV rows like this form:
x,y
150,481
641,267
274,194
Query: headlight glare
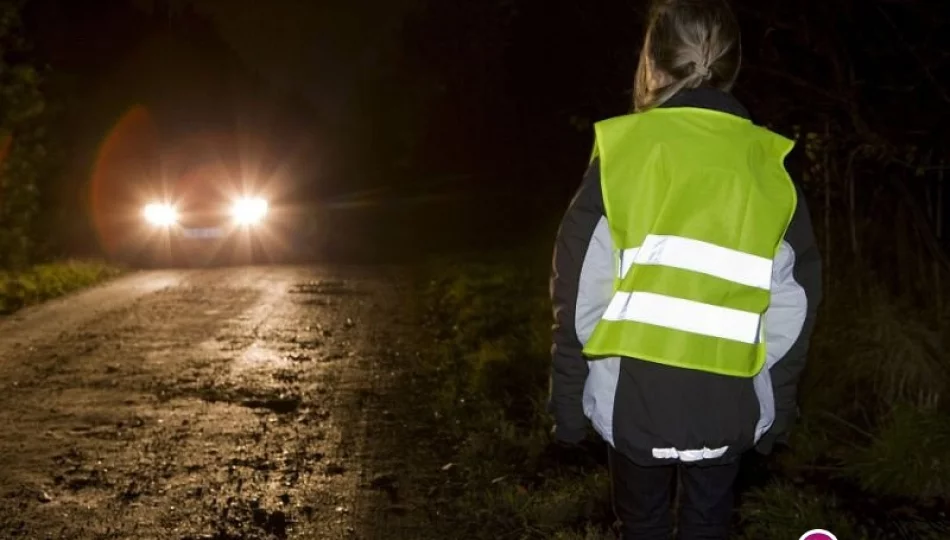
x,y
249,210
161,214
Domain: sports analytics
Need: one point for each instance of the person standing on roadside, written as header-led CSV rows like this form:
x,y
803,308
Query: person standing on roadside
x,y
685,284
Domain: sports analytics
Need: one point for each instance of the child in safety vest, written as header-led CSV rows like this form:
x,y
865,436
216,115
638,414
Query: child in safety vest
x,y
686,279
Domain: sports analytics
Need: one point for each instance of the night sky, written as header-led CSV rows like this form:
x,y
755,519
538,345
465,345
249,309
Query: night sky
x,y
447,87
320,49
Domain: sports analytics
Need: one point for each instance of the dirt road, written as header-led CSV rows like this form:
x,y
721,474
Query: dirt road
x,y
232,403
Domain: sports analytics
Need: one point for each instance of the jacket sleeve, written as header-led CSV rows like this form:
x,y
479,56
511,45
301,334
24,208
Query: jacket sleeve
x,y
790,318
581,287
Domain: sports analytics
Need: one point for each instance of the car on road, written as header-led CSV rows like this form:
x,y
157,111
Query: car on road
x,y
207,231
200,221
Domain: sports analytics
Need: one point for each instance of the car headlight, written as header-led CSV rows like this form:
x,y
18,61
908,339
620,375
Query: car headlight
x,y
161,215
249,211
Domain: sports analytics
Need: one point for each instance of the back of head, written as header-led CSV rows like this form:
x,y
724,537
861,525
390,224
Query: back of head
x,y
688,44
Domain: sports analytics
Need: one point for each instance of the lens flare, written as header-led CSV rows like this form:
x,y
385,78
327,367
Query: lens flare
x,y
120,182
161,215
249,210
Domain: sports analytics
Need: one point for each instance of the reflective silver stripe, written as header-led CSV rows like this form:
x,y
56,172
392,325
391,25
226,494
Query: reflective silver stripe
x,y
686,315
689,455
698,256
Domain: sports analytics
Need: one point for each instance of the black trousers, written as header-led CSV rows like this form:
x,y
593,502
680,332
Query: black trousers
x,y
643,499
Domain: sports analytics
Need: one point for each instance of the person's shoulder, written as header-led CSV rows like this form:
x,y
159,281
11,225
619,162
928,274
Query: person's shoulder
x,y
774,131
618,128
618,120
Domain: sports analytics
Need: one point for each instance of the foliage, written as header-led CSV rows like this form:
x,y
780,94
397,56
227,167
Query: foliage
x,y
490,385
907,457
782,510
21,140
897,358
46,281
891,353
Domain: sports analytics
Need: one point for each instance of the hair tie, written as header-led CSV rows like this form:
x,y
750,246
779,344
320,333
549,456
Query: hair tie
x,y
702,70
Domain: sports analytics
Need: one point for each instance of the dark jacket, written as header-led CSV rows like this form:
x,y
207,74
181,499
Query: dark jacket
x,y
639,406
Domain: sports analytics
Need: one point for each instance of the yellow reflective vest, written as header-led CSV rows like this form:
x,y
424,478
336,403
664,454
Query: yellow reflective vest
x,y
698,202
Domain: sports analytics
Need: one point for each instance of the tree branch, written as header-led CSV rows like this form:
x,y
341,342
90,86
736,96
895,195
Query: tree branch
x,y
798,81
921,223
923,65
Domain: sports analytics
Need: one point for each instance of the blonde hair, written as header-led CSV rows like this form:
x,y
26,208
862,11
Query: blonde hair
x,y
688,44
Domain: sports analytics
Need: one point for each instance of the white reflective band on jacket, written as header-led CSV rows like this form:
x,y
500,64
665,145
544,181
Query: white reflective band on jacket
x,y
689,254
687,315
689,456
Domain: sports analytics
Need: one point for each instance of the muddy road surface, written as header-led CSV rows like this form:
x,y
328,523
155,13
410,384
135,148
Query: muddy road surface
x,y
218,404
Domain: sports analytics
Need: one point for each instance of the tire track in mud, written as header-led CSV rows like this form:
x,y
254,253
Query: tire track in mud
x,y
222,405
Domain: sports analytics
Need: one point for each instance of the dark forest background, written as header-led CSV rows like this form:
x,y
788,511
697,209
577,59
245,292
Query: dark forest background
x,y
478,106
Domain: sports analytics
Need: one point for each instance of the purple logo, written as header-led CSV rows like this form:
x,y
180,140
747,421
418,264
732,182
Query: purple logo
x,y
818,534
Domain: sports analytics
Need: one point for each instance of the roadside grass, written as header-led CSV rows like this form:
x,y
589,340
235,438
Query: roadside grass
x,y
784,510
867,459
903,458
43,282
490,369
